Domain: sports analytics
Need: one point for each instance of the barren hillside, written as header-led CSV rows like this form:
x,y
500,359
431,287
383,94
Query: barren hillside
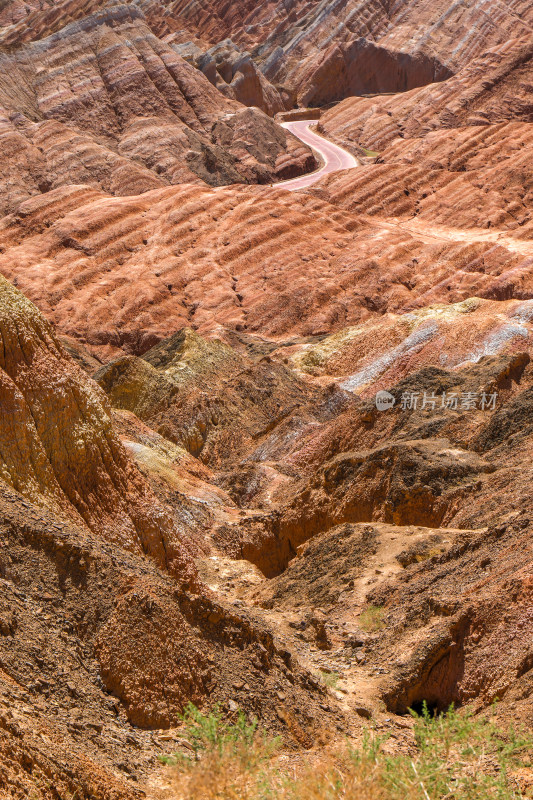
x,y
260,446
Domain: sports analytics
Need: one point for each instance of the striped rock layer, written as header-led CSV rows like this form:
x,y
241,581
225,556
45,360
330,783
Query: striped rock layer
x,y
104,101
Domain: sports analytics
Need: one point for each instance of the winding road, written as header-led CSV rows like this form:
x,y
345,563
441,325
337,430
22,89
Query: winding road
x,y
335,158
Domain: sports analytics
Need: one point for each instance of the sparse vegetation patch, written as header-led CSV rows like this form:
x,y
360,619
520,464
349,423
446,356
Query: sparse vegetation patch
x,y
371,618
455,756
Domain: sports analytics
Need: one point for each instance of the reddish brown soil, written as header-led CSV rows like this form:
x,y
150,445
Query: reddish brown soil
x,y
253,259
199,498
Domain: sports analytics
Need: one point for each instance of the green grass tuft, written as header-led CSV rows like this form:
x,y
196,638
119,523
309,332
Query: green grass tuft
x,y
455,756
371,618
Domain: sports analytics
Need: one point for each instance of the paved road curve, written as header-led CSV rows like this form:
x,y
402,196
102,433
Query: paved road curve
x,y
335,158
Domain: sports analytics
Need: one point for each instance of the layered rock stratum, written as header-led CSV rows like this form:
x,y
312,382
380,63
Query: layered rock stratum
x,y
104,101
199,498
327,50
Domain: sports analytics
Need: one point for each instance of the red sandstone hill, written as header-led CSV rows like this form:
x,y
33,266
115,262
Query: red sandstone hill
x,y
199,499
323,51
104,101
99,592
127,272
407,21
329,50
456,155
64,454
494,88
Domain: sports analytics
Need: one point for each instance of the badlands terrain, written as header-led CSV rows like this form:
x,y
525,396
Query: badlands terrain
x,y
224,228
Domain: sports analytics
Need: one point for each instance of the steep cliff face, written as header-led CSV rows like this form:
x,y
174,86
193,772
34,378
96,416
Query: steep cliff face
x,y
59,449
362,67
235,75
374,49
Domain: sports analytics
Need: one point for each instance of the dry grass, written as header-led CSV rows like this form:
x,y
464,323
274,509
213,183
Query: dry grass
x,y
329,679
371,618
370,153
458,757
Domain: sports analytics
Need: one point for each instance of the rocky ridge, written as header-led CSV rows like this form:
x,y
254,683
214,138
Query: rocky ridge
x,y
318,48
348,267
458,154
104,101
491,89
64,455
235,75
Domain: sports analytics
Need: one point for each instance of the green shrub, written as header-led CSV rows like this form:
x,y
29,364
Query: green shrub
x,y
227,759
457,757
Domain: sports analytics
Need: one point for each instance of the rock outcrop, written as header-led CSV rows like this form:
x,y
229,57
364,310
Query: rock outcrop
x,y
216,402
104,623
59,450
235,75
361,67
